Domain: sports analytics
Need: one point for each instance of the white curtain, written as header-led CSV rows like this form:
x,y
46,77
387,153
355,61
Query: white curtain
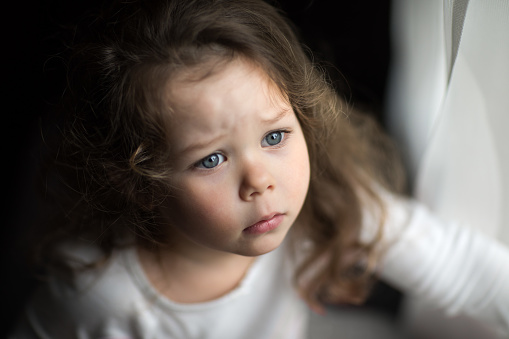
x,y
449,109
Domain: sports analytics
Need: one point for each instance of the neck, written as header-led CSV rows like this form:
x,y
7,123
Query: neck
x,y
192,277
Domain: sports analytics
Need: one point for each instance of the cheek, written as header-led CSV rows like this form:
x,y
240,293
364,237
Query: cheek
x,y
203,205
300,168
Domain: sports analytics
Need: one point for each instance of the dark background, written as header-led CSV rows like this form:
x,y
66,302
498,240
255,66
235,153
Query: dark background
x,y
350,37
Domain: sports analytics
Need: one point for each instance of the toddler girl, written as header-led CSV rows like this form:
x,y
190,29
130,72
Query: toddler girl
x,y
216,185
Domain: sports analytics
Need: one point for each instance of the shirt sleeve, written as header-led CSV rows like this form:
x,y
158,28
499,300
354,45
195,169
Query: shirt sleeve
x,y
55,313
446,263
101,303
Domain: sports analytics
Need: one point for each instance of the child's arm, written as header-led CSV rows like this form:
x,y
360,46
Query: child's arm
x,y
100,303
446,263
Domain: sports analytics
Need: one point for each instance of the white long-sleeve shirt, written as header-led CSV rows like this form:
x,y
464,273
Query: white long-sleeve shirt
x,y
119,302
457,269
447,264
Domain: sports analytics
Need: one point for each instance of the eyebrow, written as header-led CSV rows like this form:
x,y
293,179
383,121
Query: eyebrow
x,y
199,145
278,117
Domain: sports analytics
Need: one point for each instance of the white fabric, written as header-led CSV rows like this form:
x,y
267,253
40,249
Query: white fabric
x,y
451,116
453,267
119,302
454,132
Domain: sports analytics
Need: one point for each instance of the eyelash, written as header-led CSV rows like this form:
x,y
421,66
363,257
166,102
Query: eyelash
x,y
285,134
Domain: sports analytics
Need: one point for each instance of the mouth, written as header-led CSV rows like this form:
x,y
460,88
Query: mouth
x,y
266,224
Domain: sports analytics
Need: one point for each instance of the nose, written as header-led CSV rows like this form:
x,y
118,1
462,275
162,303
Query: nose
x,y
256,179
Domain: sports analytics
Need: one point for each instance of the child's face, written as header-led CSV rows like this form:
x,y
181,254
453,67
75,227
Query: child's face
x,y
239,158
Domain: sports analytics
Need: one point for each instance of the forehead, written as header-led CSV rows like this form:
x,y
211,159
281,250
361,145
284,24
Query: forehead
x,y
224,97
220,86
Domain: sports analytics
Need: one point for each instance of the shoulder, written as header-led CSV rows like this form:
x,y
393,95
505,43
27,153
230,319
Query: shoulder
x,y
99,302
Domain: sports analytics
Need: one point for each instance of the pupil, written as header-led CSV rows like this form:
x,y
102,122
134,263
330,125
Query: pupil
x,y
274,138
211,161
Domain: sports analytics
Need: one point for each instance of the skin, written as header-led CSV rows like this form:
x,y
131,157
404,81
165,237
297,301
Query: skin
x,y
238,156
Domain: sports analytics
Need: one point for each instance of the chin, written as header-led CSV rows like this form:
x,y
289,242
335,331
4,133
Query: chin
x,y
262,246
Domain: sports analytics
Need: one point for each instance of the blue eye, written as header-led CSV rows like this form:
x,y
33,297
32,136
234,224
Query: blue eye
x,y
211,161
273,138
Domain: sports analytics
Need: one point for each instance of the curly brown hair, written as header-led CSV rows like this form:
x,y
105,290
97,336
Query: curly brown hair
x,y
113,154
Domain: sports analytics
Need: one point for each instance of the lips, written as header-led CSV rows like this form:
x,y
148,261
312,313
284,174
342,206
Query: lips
x,y
265,225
